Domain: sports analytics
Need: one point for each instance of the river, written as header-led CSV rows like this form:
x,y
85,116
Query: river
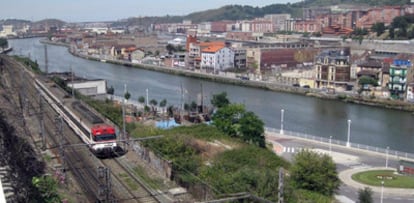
x,y
370,125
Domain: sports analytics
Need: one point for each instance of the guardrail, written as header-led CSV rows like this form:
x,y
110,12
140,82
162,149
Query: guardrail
x,y
388,151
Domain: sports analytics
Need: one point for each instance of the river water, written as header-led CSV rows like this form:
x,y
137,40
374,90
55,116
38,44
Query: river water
x,y
370,125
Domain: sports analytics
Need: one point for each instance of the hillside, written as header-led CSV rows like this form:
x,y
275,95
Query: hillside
x,y
239,12
49,22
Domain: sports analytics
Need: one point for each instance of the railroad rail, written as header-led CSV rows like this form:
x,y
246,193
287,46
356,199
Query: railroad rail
x,y
92,174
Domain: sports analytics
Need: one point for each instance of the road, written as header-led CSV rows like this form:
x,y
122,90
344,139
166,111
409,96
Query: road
x,y
348,160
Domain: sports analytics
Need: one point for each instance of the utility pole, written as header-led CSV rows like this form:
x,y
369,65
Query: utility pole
x,y
202,99
105,189
59,133
73,85
281,186
41,123
123,114
46,61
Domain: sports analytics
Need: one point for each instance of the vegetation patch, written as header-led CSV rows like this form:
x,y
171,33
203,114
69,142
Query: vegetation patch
x,y
374,178
151,181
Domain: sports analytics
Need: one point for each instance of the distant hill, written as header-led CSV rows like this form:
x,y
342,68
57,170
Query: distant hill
x,y
14,22
49,22
238,12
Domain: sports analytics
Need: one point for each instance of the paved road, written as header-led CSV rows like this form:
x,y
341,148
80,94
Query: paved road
x,y
349,161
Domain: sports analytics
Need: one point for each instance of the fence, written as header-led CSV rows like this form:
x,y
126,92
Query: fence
x,y
397,154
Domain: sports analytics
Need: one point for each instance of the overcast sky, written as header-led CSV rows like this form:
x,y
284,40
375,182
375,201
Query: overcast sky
x,y
104,10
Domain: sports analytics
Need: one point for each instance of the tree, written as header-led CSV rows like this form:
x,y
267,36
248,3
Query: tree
x,y
365,195
252,129
193,106
141,99
127,95
360,39
48,188
3,43
365,80
314,172
227,118
392,33
379,28
111,92
170,48
186,107
163,103
153,102
220,100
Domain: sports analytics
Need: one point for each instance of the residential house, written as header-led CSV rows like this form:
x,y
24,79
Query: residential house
x,y
122,51
193,59
333,69
398,78
217,58
378,71
239,58
137,55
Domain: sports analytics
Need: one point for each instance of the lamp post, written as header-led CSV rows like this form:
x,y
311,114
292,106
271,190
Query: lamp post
x,y
386,157
382,191
281,120
146,91
348,144
123,113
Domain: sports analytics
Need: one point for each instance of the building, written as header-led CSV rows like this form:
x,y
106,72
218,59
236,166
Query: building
x,y
8,30
333,69
217,58
310,26
278,21
240,58
374,69
398,78
222,26
193,59
261,26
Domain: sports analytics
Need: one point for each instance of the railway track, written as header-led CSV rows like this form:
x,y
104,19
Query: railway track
x,y
107,180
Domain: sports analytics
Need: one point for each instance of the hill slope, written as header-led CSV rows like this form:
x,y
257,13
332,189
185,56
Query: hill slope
x,y
238,12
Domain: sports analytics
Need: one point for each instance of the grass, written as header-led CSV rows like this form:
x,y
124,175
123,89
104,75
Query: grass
x,y
131,184
47,158
390,179
154,183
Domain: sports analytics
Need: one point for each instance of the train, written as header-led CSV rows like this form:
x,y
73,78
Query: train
x,y
99,136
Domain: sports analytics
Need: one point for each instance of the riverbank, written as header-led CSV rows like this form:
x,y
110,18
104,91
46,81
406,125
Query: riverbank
x,y
356,99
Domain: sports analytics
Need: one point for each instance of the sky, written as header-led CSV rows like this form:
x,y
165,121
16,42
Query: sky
x,y
111,10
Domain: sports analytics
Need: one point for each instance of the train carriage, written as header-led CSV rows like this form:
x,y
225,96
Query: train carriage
x,y
93,131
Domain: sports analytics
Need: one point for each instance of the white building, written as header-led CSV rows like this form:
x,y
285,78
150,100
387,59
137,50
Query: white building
x,y
217,58
7,31
89,87
177,42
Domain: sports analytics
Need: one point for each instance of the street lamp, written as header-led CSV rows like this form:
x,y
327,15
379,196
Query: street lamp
x,y
348,144
382,191
123,113
386,157
281,120
147,96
